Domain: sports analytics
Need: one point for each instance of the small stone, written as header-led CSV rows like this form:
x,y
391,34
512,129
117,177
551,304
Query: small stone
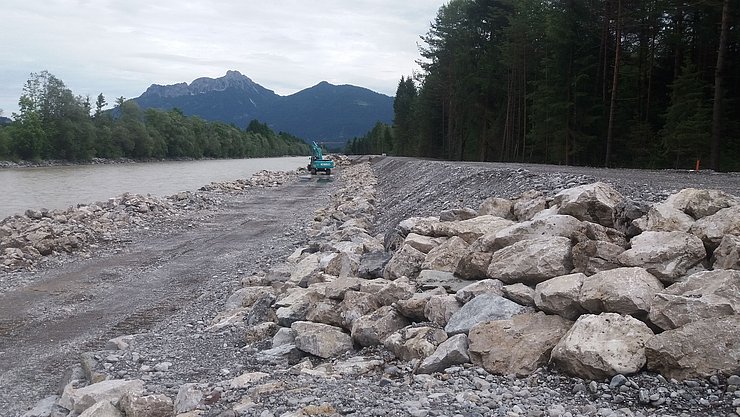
x,y
617,381
644,396
593,387
733,380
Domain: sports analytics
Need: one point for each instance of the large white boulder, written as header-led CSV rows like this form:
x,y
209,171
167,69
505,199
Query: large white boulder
x,y
667,255
599,347
415,342
622,290
712,229
405,262
664,217
704,295
592,202
320,339
727,254
700,203
699,349
373,328
561,296
517,346
532,261
446,256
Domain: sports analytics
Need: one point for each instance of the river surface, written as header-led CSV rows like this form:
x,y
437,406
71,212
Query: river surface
x,y
59,187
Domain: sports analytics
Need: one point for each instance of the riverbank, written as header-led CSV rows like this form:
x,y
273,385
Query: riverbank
x,y
231,348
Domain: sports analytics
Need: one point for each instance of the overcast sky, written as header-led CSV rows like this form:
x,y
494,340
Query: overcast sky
x,y
120,47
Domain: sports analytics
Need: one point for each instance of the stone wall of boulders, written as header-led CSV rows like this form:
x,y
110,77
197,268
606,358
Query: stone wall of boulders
x,y
26,240
584,281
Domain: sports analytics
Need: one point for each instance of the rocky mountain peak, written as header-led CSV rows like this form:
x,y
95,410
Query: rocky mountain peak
x,y
232,79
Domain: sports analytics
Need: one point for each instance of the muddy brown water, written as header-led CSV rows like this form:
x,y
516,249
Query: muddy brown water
x,y
59,187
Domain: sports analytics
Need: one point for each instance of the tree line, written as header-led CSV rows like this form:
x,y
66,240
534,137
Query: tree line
x,y
627,83
54,124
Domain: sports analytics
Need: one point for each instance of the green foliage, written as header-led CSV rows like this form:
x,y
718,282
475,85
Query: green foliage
x,y
379,140
54,124
532,81
688,119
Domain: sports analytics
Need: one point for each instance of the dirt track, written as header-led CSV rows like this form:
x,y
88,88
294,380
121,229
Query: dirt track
x,y
81,305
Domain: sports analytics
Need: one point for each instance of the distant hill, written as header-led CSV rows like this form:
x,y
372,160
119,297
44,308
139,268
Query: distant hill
x,y
332,114
4,121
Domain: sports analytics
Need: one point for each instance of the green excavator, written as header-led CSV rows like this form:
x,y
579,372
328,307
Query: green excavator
x,y
318,163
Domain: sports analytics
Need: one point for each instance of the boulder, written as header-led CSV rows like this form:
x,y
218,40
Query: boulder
x,y
622,290
342,265
422,243
372,264
336,289
704,295
246,380
700,349
284,336
484,307
711,229
592,256
325,311
413,308
519,293
701,203
663,217
531,261
592,202
430,278
320,339
446,256
467,293
465,213
414,342
439,308
303,271
260,332
453,351
355,305
405,262
667,255
528,204
112,390
727,254
155,405
561,296
625,213
599,347
550,226
517,346
247,296
189,396
472,229
418,225
495,206
102,409
393,291
295,305
473,265
373,328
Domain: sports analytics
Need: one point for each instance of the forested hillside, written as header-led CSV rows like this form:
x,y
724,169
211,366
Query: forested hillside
x,y
651,83
53,123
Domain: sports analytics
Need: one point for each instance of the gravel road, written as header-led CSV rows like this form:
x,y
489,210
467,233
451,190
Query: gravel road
x,y
170,281
166,275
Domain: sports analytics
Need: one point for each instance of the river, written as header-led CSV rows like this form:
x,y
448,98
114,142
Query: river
x,y
59,187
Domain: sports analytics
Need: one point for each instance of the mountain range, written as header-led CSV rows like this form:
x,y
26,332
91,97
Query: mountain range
x,y
327,113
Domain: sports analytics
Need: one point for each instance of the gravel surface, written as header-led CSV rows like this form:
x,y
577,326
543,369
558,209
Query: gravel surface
x,y
168,284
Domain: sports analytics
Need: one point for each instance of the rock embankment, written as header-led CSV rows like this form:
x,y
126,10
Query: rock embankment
x,y
534,305
36,236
